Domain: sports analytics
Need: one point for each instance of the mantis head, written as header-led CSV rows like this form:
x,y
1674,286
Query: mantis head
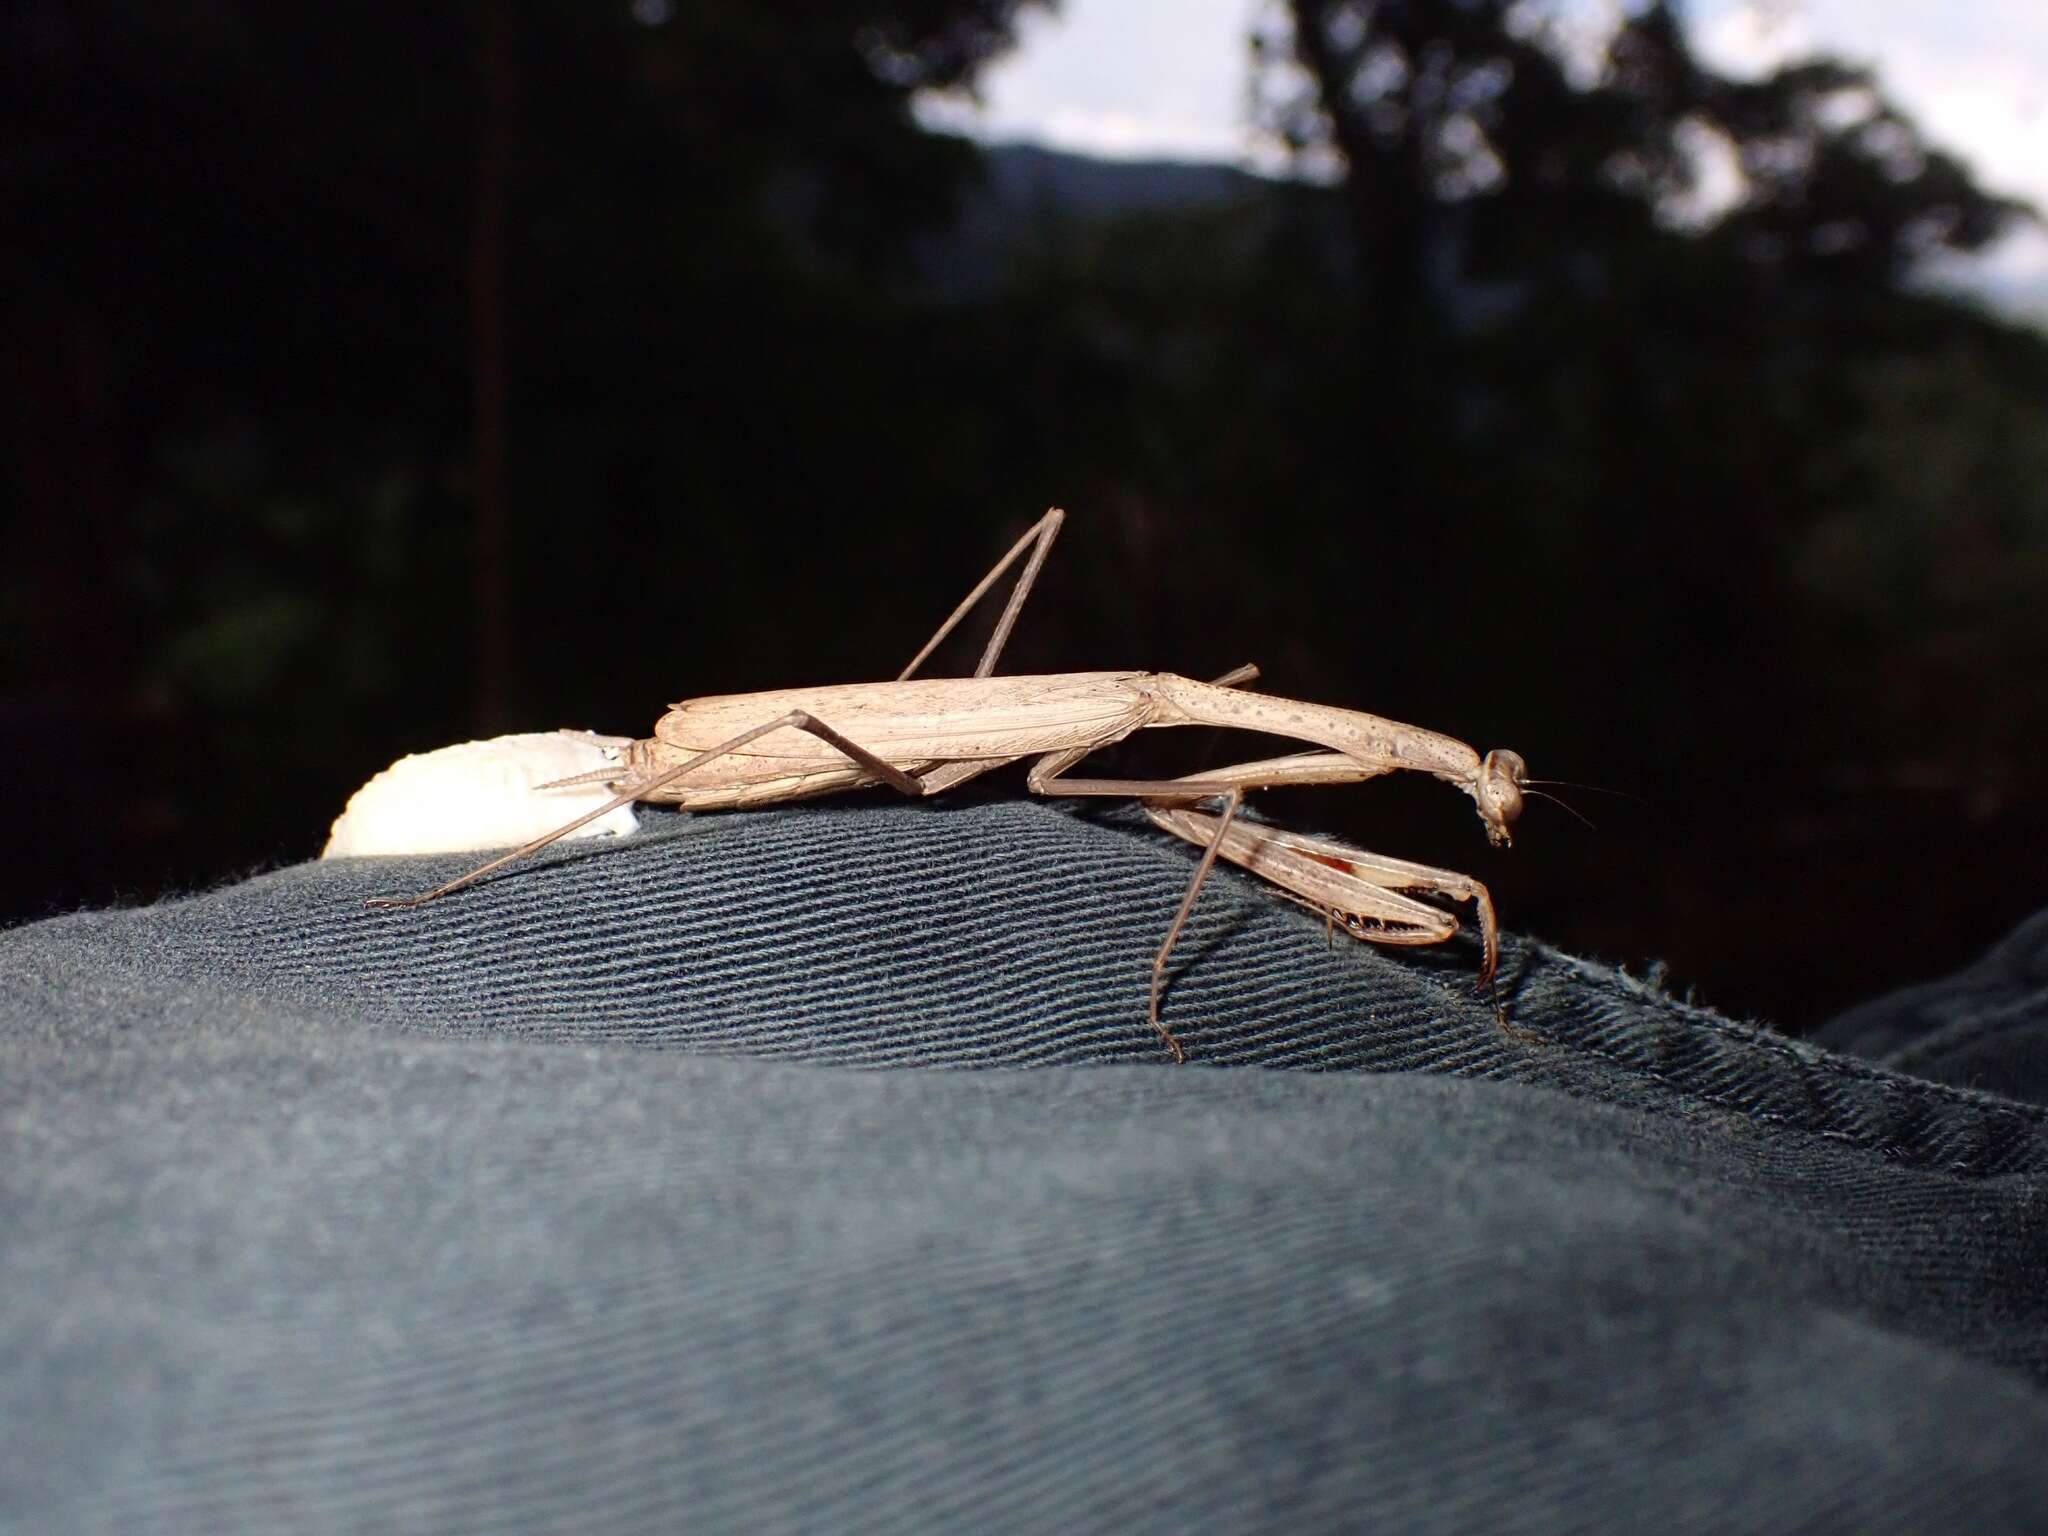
x,y
1498,792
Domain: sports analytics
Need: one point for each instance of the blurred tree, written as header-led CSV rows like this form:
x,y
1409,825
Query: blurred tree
x,y
1482,181
301,309
1637,331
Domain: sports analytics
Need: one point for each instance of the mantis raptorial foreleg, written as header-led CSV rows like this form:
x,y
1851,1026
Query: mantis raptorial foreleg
x,y
1368,894
1363,892
1350,886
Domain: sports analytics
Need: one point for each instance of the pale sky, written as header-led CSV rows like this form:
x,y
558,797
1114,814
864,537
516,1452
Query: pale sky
x,y
1142,78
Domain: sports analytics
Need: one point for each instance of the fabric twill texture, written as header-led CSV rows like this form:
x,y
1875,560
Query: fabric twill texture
x,y
816,1170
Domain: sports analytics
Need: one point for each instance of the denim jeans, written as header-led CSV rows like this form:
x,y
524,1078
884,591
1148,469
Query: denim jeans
x,y
647,1186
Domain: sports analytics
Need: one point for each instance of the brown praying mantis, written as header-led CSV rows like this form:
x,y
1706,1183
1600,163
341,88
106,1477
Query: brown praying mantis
x,y
924,735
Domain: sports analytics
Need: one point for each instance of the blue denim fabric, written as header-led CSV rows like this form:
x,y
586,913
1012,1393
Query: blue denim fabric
x,y
639,1189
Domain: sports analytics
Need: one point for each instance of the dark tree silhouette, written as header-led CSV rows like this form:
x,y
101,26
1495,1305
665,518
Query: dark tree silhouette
x,y
1468,153
297,306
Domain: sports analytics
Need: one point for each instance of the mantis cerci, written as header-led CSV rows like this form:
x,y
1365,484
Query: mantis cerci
x,y
923,735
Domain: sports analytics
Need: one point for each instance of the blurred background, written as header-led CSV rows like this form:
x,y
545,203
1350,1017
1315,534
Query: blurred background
x,y
1659,390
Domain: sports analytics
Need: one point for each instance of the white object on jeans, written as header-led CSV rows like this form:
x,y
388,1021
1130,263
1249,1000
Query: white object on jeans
x,y
481,794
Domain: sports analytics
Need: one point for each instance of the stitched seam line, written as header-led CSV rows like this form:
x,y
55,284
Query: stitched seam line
x,y
2013,1122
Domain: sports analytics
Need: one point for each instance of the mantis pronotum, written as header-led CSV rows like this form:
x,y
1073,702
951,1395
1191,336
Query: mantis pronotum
x,y
923,735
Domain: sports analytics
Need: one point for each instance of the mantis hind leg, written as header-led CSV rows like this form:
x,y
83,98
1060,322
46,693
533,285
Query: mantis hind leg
x,y
797,719
1038,539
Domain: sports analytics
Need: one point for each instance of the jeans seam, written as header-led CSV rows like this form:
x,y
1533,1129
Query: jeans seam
x,y
1959,1109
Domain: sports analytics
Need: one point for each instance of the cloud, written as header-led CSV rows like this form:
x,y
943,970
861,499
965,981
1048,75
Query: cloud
x,y
1973,73
1121,79
1142,78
